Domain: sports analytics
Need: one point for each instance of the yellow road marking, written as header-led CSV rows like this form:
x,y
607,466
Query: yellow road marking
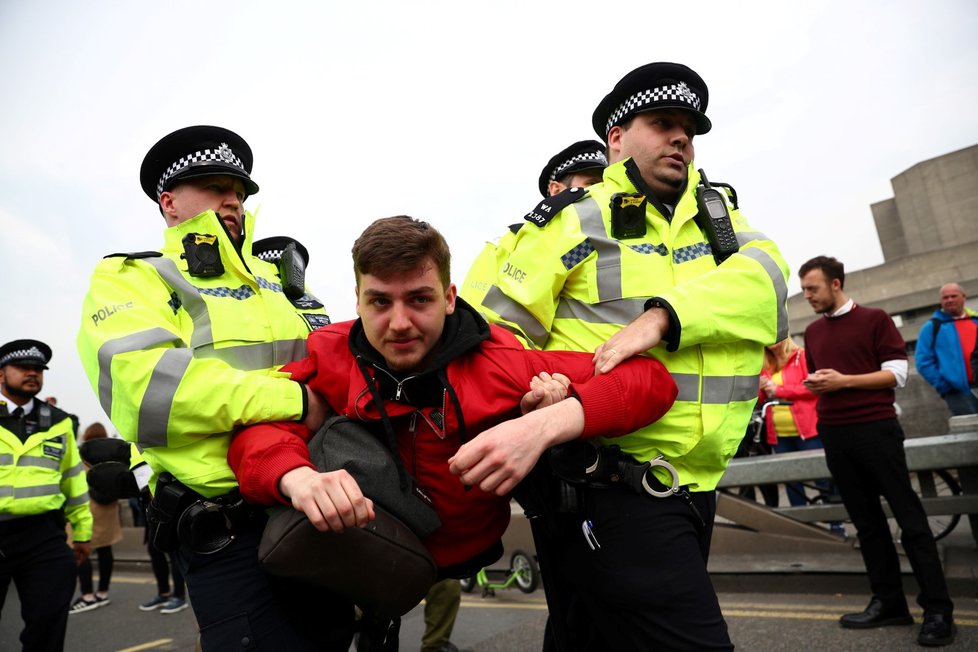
x,y
147,646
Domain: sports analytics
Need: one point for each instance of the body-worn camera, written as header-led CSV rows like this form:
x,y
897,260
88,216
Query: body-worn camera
x,y
628,215
203,255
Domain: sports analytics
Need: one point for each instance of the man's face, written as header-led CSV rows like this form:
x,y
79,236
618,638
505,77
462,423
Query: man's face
x,y
581,179
21,381
404,316
220,193
952,300
821,295
661,144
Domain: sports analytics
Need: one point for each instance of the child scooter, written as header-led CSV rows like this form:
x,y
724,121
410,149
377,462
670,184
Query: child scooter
x,y
522,572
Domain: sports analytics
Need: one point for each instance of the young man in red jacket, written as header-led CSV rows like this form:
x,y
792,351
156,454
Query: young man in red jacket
x,y
450,387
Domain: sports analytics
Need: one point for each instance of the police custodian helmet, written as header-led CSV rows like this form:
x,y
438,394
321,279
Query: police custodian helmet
x,y
583,155
650,87
27,353
196,152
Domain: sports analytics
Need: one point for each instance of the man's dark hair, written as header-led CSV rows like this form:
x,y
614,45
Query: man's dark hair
x,y
396,245
831,267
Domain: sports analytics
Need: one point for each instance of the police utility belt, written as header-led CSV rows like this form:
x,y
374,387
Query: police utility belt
x,y
177,516
604,467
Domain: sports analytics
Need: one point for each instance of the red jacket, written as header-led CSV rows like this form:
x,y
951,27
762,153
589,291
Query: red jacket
x,y
488,378
803,401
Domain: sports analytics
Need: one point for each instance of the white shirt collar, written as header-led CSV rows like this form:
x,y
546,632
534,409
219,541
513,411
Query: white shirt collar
x,y
846,307
11,406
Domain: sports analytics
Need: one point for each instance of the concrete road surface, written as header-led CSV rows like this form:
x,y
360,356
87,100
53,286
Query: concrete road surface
x,y
513,622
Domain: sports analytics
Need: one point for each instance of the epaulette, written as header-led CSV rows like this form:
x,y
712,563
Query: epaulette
x,y
514,228
549,207
136,255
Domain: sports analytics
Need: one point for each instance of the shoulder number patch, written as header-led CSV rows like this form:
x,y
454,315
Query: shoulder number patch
x,y
548,208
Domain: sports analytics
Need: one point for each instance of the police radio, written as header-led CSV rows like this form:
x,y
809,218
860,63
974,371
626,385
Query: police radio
x,y
292,271
628,215
203,255
714,220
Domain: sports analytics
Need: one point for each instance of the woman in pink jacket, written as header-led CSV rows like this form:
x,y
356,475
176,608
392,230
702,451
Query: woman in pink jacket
x,y
789,427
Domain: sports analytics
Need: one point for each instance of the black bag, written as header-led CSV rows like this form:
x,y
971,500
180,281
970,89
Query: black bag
x,y
383,566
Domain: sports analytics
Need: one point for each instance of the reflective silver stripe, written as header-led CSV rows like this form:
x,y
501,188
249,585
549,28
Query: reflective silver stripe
x,y
743,237
717,390
77,500
511,311
617,311
40,462
6,458
780,286
689,387
189,297
135,342
608,263
262,355
73,471
38,490
5,491
154,411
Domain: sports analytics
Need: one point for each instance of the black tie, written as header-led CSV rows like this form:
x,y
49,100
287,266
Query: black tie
x,y
18,412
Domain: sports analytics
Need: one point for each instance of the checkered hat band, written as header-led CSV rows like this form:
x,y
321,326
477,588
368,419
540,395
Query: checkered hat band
x,y
220,155
673,93
32,353
597,157
270,255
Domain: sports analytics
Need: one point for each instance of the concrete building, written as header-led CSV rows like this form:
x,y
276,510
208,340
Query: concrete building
x,y
928,232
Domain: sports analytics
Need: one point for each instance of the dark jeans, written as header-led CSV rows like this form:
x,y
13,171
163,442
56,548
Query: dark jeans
x,y
240,607
867,461
960,403
164,564
795,490
646,587
42,567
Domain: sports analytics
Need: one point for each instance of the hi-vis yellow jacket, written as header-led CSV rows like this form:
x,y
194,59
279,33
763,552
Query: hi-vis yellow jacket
x,y
568,284
179,361
45,473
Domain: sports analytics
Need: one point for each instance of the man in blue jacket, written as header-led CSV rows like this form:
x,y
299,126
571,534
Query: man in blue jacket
x,y
944,350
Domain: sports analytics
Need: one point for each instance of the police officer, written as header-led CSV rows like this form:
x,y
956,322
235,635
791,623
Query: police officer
x,y
182,346
658,248
41,483
576,166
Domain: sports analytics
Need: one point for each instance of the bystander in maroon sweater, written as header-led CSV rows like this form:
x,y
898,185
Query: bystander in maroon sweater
x,y
856,342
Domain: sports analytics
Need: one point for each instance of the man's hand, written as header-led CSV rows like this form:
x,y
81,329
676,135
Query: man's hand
x,y
644,333
545,389
825,380
503,455
316,410
332,501
82,551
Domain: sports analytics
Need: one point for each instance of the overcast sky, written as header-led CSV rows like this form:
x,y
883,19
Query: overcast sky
x,y
445,112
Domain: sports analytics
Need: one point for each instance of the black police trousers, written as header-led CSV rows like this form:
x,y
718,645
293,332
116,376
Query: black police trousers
x,y
646,587
34,554
867,461
240,607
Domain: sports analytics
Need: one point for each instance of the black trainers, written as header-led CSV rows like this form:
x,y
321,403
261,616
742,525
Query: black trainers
x,y
937,629
81,605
